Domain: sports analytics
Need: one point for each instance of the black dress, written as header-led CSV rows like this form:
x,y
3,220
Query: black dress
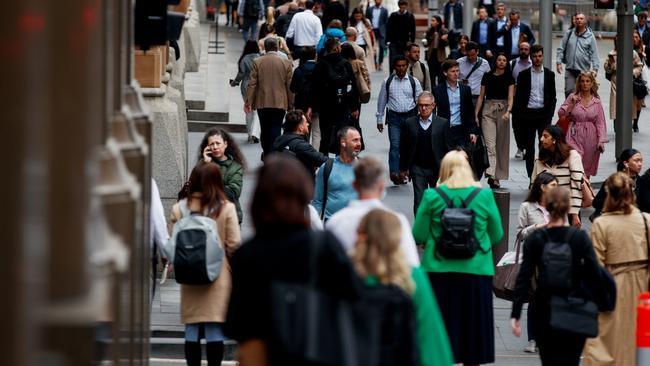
x,y
555,347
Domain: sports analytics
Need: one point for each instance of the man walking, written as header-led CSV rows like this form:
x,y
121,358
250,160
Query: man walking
x,y
500,21
453,19
642,27
400,30
397,95
294,142
578,51
334,179
250,12
378,16
454,103
305,28
334,10
417,68
514,33
472,68
518,65
268,92
370,187
423,145
534,103
483,31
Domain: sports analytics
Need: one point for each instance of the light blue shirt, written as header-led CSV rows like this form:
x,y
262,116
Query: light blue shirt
x,y
339,188
482,34
454,105
536,99
514,31
400,99
425,124
500,24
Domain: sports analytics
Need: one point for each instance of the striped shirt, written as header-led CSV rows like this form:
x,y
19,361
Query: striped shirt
x,y
568,174
400,99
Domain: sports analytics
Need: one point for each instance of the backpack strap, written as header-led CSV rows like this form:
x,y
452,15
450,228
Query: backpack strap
x,y
470,197
326,177
412,80
476,66
388,81
424,72
444,197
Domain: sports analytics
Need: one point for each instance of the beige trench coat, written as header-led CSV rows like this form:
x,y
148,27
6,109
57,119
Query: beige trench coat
x,y
620,244
610,67
209,303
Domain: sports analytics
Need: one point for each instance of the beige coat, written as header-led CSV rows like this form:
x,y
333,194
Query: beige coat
x,y
610,67
269,83
209,303
621,246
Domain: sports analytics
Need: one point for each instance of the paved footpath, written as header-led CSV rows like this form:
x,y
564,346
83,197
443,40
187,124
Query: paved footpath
x,y
508,348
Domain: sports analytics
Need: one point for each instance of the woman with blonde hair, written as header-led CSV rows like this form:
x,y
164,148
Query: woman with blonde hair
x,y
463,286
620,238
268,27
379,260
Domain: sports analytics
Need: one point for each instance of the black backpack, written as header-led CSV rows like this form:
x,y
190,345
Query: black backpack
x,y
458,240
338,80
252,9
304,88
556,273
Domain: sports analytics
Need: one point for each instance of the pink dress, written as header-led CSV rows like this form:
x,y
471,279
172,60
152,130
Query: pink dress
x,y
586,131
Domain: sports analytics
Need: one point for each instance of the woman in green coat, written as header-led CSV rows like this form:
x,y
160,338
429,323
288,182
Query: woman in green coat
x,y
463,287
219,147
379,260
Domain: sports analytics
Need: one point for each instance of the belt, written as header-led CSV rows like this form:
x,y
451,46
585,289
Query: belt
x,y
401,114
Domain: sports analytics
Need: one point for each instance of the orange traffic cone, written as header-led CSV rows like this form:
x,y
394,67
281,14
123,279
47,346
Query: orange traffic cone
x,y
643,330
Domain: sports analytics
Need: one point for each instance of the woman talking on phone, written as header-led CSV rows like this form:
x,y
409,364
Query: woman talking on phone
x,y
219,147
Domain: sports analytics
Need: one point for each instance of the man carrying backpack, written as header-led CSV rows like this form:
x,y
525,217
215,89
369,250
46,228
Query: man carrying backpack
x,y
250,12
301,88
334,95
294,142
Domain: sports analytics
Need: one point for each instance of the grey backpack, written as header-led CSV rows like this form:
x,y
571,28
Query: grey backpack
x,y
195,248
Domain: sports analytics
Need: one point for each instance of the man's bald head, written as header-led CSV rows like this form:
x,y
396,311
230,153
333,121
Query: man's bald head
x,y
351,34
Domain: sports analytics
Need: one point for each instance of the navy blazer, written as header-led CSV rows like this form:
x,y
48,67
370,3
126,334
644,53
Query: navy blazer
x,y
507,39
522,93
458,15
409,139
468,121
491,32
383,19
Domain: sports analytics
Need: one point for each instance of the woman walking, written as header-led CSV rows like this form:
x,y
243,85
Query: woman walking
x,y
556,347
365,35
620,238
557,157
630,162
245,65
203,307
219,147
463,287
495,102
610,73
587,130
436,38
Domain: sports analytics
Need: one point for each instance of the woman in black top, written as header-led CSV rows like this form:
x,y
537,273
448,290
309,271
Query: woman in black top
x,y
497,91
280,251
556,347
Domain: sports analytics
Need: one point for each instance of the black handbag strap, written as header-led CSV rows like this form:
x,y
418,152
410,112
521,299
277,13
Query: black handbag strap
x,y
326,177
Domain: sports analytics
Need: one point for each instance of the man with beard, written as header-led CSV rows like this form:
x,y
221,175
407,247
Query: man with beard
x,y
294,142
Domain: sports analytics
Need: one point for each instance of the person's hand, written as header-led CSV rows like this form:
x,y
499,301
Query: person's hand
x,y
247,108
472,138
516,327
508,25
477,120
207,156
558,67
355,114
308,114
380,127
601,147
594,72
575,221
444,37
506,116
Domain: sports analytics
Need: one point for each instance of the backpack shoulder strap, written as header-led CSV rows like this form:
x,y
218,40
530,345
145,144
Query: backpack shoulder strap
x,y
476,66
471,196
444,197
512,64
424,72
412,80
388,81
326,177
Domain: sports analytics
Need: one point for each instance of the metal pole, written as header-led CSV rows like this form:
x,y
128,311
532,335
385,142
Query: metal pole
x,y
468,16
546,29
624,76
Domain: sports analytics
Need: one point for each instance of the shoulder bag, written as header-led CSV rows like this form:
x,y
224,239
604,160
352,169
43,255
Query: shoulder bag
x,y
505,273
587,193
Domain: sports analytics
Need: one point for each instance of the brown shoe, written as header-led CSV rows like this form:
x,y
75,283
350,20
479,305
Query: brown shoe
x,y
395,179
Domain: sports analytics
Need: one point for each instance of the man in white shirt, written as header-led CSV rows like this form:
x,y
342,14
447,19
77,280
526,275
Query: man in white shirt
x,y
370,186
305,28
472,69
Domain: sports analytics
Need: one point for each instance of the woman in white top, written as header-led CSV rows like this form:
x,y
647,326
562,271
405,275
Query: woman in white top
x,y
365,36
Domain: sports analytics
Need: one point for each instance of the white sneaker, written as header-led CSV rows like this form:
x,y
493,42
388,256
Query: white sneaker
x,y
519,154
531,347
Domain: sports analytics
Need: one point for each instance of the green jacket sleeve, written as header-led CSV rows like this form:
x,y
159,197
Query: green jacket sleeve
x,y
494,228
422,221
431,336
233,180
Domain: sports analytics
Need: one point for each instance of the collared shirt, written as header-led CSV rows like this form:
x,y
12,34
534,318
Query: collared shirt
x,y
514,31
536,99
344,226
339,188
400,99
415,70
500,24
452,18
483,32
425,124
376,13
474,81
521,66
642,29
454,105
305,28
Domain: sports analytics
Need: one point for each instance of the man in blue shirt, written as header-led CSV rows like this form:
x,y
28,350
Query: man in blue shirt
x,y
483,31
339,191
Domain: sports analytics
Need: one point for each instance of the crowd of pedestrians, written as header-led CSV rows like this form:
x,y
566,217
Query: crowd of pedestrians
x,y
375,289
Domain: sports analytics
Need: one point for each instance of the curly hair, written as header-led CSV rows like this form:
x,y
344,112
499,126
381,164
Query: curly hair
x,y
232,150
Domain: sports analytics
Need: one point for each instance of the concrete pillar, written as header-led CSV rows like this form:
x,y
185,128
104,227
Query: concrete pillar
x,y
545,37
468,16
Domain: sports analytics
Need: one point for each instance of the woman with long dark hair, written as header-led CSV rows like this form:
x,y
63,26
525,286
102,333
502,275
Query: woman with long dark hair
x,y
365,36
245,65
629,162
220,148
203,307
495,104
436,38
459,52
557,157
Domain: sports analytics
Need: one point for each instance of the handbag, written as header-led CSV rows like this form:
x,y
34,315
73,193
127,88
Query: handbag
x,y
505,274
574,315
563,123
587,193
309,325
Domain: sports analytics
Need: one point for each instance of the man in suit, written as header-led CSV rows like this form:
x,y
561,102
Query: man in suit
x,y
642,27
268,92
400,30
423,145
454,103
534,103
514,33
378,16
453,19
334,10
483,31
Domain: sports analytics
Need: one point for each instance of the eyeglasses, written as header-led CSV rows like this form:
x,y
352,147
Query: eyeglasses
x,y
425,105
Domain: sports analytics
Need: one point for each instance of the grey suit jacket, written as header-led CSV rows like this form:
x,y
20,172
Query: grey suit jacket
x,y
383,19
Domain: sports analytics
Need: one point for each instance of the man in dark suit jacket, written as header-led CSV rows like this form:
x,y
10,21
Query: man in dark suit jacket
x,y
534,103
378,17
460,112
453,19
400,30
487,40
514,33
423,144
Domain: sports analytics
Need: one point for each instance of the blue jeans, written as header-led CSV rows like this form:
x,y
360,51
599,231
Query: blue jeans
x,y
249,29
395,121
381,46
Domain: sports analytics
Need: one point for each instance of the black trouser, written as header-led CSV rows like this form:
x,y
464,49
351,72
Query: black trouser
x,y
422,178
435,70
531,121
330,124
394,49
457,137
270,126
